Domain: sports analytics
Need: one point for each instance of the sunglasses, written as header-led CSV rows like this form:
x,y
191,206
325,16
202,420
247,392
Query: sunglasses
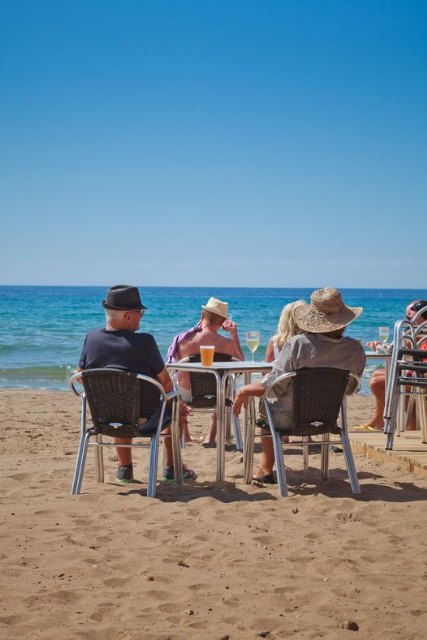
x,y
140,312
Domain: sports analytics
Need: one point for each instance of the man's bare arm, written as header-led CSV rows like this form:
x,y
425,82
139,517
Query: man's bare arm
x,y
234,335
165,380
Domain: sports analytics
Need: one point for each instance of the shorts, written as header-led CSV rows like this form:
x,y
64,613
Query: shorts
x,y
184,394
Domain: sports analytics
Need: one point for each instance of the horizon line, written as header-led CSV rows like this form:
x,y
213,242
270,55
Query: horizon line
x,y
208,286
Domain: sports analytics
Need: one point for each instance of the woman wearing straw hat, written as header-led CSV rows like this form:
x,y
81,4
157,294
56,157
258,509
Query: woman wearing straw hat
x,y
322,344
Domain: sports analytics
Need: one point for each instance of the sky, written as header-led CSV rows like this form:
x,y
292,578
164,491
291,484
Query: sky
x,y
213,142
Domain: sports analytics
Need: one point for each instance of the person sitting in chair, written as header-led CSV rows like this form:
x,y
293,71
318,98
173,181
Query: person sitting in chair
x,y
214,317
377,382
118,346
287,328
321,345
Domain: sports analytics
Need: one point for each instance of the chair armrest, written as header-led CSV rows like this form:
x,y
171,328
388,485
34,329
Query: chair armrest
x,y
76,378
356,378
169,395
283,376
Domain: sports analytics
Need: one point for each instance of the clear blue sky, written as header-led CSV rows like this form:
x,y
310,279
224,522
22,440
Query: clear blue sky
x,y
213,142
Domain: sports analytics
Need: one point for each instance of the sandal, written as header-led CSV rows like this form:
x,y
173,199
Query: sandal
x,y
189,474
267,479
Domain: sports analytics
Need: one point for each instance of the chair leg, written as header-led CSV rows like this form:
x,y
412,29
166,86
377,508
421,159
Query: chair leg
x,y
324,459
152,468
249,441
305,454
80,464
421,403
280,464
176,449
349,460
400,417
348,454
390,413
390,422
99,459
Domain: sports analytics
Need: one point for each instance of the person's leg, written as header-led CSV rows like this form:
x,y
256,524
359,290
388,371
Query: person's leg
x,y
167,441
211,435
183,428
124,474
124,454
266,463
168,470
184,412
377,385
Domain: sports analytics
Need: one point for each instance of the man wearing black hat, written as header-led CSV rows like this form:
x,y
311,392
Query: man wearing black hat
x,y
118,346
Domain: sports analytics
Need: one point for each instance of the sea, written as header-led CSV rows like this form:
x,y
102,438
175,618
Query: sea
x,y
42,328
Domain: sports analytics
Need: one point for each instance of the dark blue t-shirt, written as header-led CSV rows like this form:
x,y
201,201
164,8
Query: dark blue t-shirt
x,y
128,351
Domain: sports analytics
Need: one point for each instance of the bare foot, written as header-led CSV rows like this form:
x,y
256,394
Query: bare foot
x,y
262,473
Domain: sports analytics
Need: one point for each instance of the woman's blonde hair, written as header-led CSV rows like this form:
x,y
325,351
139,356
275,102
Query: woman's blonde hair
x,y
287,327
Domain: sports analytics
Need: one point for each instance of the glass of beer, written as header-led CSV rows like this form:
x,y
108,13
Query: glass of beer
x,y
207,355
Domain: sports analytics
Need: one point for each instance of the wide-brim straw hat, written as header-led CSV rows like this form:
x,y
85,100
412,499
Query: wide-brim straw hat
x,y
123,297
326,312
216,306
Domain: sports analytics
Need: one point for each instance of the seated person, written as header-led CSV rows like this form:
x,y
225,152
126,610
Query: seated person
x,y
214,317
321,345
287,328
377,382
118,346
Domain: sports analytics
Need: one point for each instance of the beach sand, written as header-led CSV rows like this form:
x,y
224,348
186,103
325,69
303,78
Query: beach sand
x,y
207,560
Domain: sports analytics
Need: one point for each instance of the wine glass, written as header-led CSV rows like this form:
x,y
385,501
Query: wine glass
x,y
383,333
252,342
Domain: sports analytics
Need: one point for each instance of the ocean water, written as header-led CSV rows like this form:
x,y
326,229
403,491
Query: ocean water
x,y
42,328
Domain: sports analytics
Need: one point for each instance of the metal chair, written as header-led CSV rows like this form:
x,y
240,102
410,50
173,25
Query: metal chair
x,y
204,391
407,378
318,397
114,399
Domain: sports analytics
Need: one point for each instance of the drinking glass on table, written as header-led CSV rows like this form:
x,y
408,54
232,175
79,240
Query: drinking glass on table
x,y
383,333
252,342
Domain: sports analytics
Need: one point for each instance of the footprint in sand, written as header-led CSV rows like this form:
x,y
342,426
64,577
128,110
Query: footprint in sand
x,y
201,586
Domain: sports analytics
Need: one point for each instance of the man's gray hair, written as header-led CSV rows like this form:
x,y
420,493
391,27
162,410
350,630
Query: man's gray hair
x,y
114,314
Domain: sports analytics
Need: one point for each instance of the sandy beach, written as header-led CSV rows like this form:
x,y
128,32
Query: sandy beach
x,y
208,560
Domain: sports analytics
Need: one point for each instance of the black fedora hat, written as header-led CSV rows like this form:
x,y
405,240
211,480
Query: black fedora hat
x,y
123,297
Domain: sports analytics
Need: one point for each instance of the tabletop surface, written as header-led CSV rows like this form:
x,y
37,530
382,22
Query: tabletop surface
x,y
237,365
374,354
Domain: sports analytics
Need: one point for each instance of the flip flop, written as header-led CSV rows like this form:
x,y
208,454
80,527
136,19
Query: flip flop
x,y
367,427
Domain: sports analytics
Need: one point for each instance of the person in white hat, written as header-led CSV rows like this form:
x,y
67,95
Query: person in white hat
x,y
213,318
322,344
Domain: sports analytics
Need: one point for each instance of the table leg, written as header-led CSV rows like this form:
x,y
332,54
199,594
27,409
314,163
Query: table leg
x,y
249,436
220,425
176,444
